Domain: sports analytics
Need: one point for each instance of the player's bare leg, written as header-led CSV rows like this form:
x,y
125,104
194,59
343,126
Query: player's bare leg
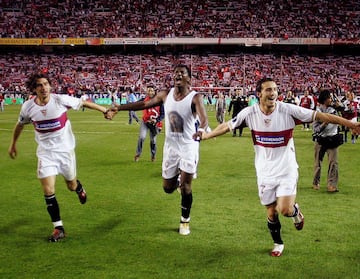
x,y
184,184
288,207
48,185
274,226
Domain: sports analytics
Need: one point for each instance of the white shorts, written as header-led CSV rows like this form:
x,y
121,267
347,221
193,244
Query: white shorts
x,y
174,159
272,188
54,163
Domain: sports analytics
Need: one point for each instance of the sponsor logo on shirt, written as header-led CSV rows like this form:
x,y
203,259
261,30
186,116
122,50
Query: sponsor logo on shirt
x,y
272,139
50,125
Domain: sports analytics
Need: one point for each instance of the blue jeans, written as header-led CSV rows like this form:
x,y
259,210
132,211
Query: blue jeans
x,y
153,130
132,115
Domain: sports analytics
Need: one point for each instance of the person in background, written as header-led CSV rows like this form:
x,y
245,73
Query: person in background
x,y
151,122
56,142
131,98
84,97
2,101
324,129
350,112
238,103
291,99
113,93
185,114
272,123
220,108
306,102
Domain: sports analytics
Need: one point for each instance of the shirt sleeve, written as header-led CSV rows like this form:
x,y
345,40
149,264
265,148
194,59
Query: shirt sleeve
x,y
70,102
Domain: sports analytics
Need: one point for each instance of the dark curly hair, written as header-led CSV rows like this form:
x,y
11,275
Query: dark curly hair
x,y
31,82
324,95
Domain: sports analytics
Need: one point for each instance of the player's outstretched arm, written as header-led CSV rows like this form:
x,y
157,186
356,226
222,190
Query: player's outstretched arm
x,y
139,105
157,100
108,114
331,118
218,131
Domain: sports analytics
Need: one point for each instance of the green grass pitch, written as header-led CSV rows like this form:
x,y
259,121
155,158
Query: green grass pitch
x,y
128,227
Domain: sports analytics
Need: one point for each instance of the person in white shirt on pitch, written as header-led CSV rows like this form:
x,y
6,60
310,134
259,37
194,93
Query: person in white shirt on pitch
x,y
56,142
184,115
272,123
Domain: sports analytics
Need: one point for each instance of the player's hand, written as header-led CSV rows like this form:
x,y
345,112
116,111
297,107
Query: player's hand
x,y
110,113
356,131
12,152
202,134
198,136
114,110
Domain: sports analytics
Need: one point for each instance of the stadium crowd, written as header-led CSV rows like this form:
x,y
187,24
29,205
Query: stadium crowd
x,y
109,72
149,18
99,73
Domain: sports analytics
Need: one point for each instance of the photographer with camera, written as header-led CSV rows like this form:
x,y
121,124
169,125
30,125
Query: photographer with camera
x,y
327,140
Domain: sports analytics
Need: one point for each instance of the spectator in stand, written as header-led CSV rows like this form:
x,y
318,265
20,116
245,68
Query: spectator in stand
x,y
238,103
297,71
126,19
151,122
306,102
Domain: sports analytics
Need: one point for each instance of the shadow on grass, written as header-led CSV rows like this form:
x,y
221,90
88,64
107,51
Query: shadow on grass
x,y
106,227
14,226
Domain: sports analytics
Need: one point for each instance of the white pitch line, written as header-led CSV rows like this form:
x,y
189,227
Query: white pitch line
x,y
76,132
86,132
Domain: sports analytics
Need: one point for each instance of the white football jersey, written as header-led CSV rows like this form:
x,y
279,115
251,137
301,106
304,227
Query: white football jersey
x,y
180,121
52,127
273,136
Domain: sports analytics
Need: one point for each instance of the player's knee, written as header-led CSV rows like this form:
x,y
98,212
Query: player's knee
x,y
186,188
168,189
287,211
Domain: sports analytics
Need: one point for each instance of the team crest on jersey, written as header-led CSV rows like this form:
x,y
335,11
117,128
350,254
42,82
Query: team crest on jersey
x,y
43,112
267,122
